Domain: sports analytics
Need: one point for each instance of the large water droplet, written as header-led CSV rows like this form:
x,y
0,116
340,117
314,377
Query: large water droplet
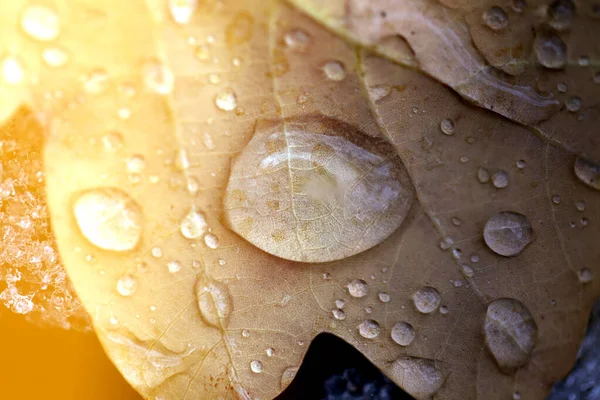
x,y
510,333
419,377
40,22
334,70
126,285
369,329
226,100
193,225
214,301
403,333
358,288
182,10
507,233
550,50
314,192
427,299
495,18
158,77
109,218
588,172
11,70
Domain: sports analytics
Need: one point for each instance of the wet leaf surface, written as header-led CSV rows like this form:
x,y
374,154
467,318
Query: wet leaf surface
x,y
147,131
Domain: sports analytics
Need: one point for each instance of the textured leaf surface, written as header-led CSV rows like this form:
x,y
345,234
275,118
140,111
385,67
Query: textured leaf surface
x,y
149,122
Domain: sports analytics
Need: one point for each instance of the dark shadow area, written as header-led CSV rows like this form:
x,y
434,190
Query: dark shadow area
x,y
583,382
334,370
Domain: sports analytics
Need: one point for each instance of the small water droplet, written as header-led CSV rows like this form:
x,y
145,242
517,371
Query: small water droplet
x,y
202,52
495,18
516,396
214,79
475,258
40,23
55,57
562,87
368,309
174,266
574,104
126,285
334,70
11,70
560,14
596,77
95,81
270,352
245,333
136,164
403,333
556,199
109,218
588,172
339,303
585,275
427,299
507,233
580,205
384,297
467,271
521,164
158,77
124,113
222,262
369,329
550,50
182,10
456,221
256,366
193,225
464,159
584,61
226,100
358,288
214,302
339,314
483,175
211,241
500,179
296,39
156,252
584,221
444,310
510,333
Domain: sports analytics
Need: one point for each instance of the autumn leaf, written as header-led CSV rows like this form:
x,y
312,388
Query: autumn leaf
x,y
230,180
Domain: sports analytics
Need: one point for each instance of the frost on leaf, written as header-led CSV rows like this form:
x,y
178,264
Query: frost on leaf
x,y
192,301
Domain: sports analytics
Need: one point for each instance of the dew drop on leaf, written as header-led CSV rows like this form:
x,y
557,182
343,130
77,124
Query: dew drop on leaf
x,y
369,329
507,233
588,172
550,50
444,310
495,18
326,187
211,241
447,126
156,252
126,285
419,377
109,218
510,333
296,39
95,81
585,275
270,352
467,271
561,13
40,22
226,100
403,333
256,366
214,302
193,225
358,288
182,10
11,70
334,70
55,57
427,299
288,376
580,206
339,314
521,164
158,77
136,164
174,266
483,175
574,103
384,297
500,179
